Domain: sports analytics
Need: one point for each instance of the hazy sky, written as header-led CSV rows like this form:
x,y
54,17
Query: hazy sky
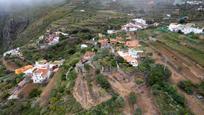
x,y
9,4
29,2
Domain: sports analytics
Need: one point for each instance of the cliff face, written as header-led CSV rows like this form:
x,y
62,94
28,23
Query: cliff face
x,y
10,27
2,23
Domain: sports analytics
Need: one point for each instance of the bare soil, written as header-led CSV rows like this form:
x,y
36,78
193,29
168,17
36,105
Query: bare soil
x,y
146,101
89,96
124,84
44,97
11,66
27,89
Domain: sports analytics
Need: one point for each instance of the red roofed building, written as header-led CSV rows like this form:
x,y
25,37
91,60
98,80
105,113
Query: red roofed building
x,y
41,74
132,43
128,58
87,56
103,42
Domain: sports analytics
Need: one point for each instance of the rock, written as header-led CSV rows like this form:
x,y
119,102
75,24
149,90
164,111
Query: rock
x,y
10,29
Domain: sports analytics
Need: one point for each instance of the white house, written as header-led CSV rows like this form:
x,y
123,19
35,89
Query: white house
x,y
135,25
43,70
41,37
185,28
41,74
64,34
13,52
82,10
83,46
134,53
54,41
111,31
131,60
194,2
141,21
13,96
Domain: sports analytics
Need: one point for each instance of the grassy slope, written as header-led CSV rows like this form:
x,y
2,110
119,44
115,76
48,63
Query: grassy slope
x,y
38,27
70,19
193,49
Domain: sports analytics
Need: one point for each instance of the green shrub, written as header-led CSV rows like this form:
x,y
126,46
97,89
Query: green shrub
x,y
145,65
138,111
132,98
63,77
179,99
35,93
139,81
186,86
100,79
158,74
120,102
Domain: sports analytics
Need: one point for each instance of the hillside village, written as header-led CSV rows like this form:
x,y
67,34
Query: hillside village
x,y
122,43
42,70
106,62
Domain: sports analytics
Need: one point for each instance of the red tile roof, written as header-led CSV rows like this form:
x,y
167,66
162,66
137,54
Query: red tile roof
x,y
88,55
42,71
132,43
103,42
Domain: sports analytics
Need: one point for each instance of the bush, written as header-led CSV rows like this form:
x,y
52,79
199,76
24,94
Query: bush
x,y
119,102
139,81
145,65
165,87
63,77
138,111
87,67
132,98
158,74
186,86
100,79
35,93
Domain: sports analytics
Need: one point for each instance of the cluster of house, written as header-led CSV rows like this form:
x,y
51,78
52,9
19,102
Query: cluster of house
x,y
185,28
194,2
189,2
135,25
200,8
39,73
50,39
13,53
131,54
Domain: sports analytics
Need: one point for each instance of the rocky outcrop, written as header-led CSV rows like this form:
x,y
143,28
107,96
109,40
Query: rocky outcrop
x,y
3,17
12,28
